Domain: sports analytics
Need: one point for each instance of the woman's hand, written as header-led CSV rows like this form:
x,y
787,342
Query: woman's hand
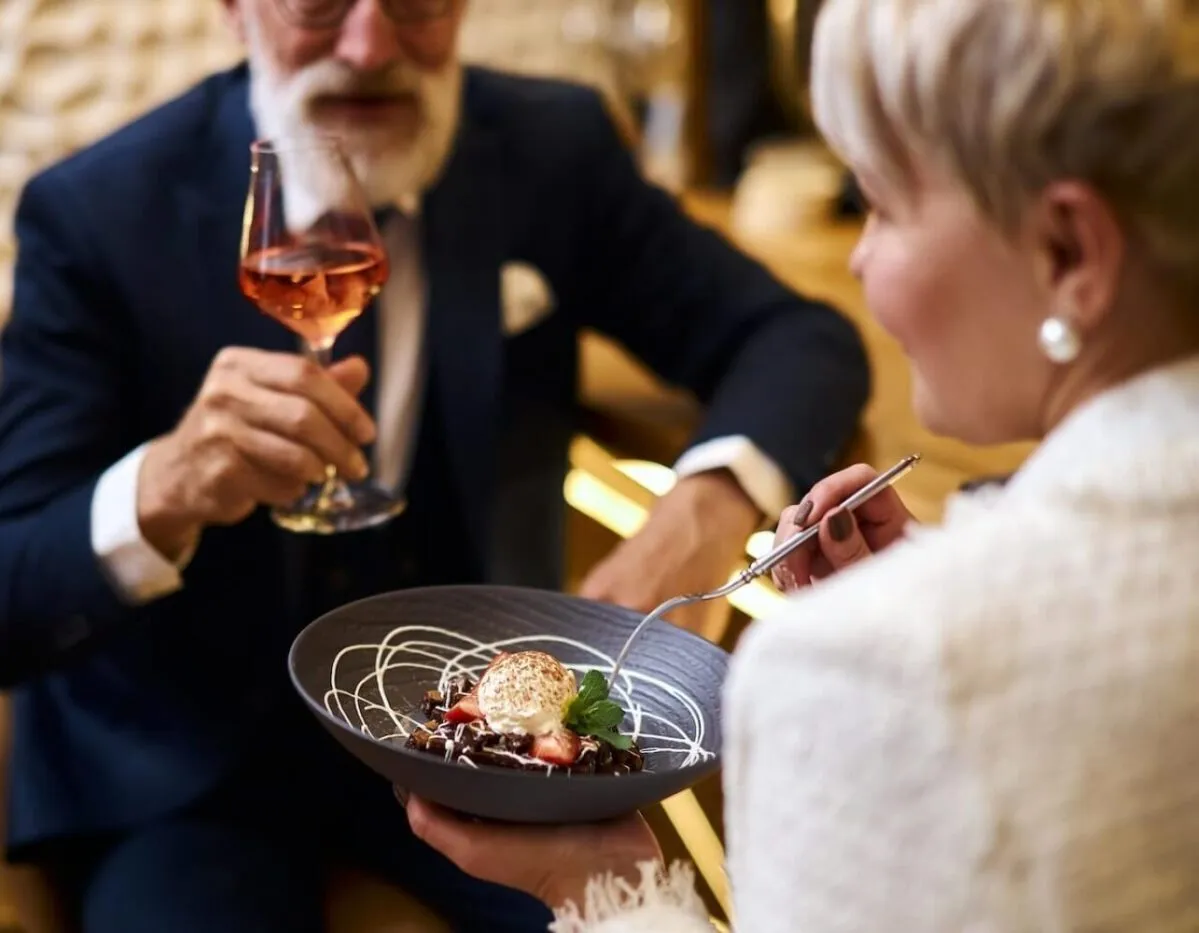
x,y
845,537
552,863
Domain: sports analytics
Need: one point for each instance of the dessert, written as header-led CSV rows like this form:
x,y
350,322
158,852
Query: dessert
x,y
526,712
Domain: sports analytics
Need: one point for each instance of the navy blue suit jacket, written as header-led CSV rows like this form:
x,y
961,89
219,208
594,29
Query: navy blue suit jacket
x,y
126,289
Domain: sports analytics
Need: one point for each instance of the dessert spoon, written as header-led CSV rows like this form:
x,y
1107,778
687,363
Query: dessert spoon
x,y
768,561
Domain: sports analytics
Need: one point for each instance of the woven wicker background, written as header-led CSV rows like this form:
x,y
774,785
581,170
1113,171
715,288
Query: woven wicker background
x,y
72,70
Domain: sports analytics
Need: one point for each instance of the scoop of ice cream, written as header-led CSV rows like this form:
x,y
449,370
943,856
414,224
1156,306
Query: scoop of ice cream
x,y
526,693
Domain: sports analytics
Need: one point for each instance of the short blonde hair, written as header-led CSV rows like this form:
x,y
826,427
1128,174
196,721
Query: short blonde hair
x,y
1010,95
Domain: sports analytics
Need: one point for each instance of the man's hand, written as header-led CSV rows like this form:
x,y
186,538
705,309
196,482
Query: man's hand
x,y
260,431
690,544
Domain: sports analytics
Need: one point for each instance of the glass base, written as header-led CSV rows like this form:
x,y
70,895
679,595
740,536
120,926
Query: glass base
x,y
338,507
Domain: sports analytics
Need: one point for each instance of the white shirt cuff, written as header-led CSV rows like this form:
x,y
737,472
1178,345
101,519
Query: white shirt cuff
x,y
138,572
759,476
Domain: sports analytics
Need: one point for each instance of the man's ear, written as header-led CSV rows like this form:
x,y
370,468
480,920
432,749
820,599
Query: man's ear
x,y
235,17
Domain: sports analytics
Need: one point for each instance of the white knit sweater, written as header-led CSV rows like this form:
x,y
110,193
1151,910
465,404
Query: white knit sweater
x,y
993,726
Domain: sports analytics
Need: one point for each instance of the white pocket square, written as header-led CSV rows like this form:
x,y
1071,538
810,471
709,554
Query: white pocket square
x,y
525,297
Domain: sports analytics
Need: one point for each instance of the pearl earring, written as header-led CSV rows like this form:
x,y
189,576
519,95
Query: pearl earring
x,y
1060,340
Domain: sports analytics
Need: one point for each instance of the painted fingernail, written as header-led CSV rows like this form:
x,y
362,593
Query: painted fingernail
x,y
840,526
803,513
401,795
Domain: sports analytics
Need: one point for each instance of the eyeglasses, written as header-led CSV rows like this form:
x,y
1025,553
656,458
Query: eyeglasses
x,y
327,14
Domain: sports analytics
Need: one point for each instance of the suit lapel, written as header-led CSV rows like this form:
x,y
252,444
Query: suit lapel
x,y
464,247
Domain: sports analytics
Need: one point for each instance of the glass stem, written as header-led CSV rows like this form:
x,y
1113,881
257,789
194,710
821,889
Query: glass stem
x,y
320,353
333,488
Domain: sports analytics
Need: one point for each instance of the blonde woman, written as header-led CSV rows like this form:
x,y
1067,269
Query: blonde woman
x,y
992,725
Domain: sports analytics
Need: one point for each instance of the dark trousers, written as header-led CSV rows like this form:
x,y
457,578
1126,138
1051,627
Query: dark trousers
x,y
252,857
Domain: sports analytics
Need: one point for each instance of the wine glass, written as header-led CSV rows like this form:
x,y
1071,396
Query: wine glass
x,y
312,259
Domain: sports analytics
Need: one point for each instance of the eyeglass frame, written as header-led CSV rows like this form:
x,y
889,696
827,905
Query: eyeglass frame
x,y
392,9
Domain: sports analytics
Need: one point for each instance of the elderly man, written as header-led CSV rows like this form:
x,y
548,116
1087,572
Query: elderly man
x,y
163,770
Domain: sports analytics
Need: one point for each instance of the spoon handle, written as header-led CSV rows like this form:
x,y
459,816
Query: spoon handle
x,y
768,561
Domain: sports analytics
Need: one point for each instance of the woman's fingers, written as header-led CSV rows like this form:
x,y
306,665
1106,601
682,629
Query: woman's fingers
x,y
845,538
841,540
884,509
794,571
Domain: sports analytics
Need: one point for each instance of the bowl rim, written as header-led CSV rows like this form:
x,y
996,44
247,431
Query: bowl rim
x,y
705,766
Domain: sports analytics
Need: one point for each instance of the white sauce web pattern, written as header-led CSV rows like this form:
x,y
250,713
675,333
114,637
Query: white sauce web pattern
x,y
445,654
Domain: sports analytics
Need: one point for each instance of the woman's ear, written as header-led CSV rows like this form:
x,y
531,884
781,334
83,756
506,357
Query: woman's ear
x,y
1082,250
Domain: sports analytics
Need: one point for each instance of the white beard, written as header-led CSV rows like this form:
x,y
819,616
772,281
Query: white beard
x,y
394,166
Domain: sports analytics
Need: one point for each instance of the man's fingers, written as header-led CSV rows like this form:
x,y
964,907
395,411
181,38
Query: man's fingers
x,y
294,375
244,484
352,374
596,584
611,582
279,455
296,421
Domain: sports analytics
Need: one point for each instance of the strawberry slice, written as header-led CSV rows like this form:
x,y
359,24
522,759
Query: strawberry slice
x,y
465,710
557,748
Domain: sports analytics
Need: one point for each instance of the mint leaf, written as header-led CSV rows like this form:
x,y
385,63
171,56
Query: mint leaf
x,y
605,715
573,713
615,739
593,688
591,713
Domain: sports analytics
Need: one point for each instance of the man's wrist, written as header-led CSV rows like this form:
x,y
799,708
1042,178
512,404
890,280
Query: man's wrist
x,y
718,494
164,522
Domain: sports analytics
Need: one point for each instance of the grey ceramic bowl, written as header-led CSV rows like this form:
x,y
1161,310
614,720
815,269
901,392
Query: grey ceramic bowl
x,y
362,667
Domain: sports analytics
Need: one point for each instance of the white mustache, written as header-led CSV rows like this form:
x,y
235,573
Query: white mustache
x,y
330,77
